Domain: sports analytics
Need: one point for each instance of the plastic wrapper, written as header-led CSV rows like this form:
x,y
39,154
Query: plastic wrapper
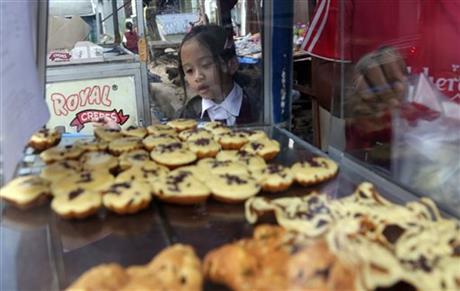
x,y
426,146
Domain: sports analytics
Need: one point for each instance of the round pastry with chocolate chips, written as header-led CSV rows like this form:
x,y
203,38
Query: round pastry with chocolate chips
x,y
135,131
44,139
216,167
182,124
133,158
59,153
203,147
152,141
274,178
232,140
79,203
107,134
159,129
99,160
252,134
26,191
314,171
92,145
252,161
96,180
173,155
181,187
194,134
127,197
232,188
125,144
58,170
265,148
148,171
216,127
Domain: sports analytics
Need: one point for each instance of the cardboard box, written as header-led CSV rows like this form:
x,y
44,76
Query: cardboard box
x,y
64,32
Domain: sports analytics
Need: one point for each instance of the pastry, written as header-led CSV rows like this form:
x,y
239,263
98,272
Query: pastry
x,y
252,134
173,155
151,141
194,134
216,127
135,131
58,170
125,144
95,180
99,160
274,178
252,161
59,153
182,124
92,145
26,191
78,203
258,263
159,129
107,134
213,166
181,187
266,148
127,197
314,171
106,277
44,139
136,157
149,171
203,147
231,140
232,188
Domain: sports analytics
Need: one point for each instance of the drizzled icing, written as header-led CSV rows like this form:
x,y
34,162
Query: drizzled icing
x,y
389,242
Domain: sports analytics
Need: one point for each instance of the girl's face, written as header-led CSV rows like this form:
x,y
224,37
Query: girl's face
x,y
202,72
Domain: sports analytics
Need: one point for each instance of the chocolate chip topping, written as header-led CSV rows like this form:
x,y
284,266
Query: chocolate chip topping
x,y
393,232
422,264
140,157
324,273
274,169
174,181
313,163
67,147
167,148
202,141
256,146
112,130
456,251
232,179
85,177
117,188
131,127
244,154
74,194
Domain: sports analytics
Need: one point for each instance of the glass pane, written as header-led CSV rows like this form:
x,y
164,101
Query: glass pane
x,y
389,72
217,73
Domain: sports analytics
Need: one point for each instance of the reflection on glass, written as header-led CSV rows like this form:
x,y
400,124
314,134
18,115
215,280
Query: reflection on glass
x,y
207,61
398,93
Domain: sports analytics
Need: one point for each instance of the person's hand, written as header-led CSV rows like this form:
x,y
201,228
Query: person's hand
x,y
379,83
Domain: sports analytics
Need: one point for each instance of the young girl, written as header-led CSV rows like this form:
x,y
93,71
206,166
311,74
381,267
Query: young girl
x,y
208,63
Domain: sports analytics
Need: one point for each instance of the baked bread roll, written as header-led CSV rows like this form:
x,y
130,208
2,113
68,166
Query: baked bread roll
x,y
26,191
44,139
314,171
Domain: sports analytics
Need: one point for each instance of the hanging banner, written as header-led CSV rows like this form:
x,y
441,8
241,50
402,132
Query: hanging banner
x,y
77,104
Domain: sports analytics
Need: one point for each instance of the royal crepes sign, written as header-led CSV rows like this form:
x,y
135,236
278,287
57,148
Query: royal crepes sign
x,y
78,104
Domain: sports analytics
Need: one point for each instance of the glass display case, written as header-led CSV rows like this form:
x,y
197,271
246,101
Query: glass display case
x,y
392,121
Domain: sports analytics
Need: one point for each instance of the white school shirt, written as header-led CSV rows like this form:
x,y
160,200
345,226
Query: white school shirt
x,y
228,110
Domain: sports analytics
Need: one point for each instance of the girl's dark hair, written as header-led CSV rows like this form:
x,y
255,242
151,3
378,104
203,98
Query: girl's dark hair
x,y
215,39
129,25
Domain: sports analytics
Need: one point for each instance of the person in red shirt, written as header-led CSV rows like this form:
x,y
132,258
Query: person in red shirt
x,y
383,43
131,38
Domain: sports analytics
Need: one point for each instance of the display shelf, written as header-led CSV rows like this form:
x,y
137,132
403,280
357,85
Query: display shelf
x,y
43,252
